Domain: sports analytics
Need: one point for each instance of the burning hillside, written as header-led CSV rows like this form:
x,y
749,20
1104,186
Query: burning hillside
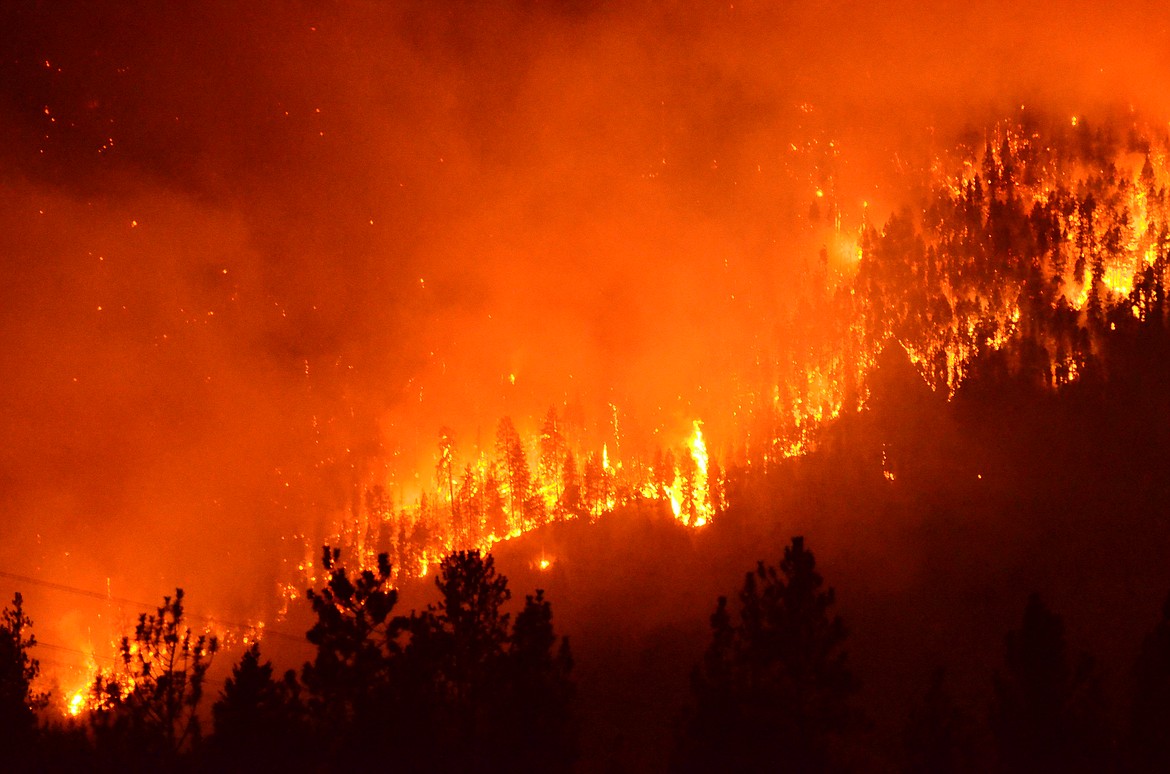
x,y
1026,250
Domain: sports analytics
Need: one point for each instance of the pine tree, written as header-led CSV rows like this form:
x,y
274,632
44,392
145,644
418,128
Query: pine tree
x,y
553,451
772,690
1149,729
350,690
149,707
445,467
593,486
19,703
536,694
259,722
570,502
470,506
1048,713
516,476
495,698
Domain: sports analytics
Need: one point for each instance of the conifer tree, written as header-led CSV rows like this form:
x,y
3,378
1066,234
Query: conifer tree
x,y
149,706
19,703
1047,714
772,691
1149,727
259,722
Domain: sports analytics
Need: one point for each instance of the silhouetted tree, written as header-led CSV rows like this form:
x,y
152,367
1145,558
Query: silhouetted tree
x,y
149,706
18,670
259,722
772,691
467,628
348,683
1047,714
456,647
496,698
450,688
1149,729
535,721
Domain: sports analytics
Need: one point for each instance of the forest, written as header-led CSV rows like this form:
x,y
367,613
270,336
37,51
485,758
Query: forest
x,y
972,441
1033,251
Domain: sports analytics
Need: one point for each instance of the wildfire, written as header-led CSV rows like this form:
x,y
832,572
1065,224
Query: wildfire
x,y
945,282
76,704
500,497
690,494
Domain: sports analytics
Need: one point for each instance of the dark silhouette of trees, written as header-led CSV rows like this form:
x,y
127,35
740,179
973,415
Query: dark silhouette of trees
x,y
453,687
149,706
1149,722
1048,713
772,691
18,670
350,691
259,720
535,721
497,695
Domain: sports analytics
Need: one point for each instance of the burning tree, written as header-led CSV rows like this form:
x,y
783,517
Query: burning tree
x,y
551,467
523,510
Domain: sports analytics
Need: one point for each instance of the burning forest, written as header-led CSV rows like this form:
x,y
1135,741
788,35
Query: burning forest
x,y
373,340
1025,256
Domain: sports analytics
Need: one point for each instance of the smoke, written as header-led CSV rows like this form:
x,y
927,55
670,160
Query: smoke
x,y
256,256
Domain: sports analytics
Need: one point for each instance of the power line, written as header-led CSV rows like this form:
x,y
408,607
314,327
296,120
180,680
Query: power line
x,y
264,630
73,590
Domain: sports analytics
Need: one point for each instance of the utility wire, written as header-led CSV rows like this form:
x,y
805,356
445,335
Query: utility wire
x,y
142,605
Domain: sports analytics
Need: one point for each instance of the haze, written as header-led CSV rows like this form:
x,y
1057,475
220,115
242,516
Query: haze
x,y
257,254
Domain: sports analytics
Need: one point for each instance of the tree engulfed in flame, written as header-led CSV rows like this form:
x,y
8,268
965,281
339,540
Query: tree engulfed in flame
x,y
502,496
691,496
1031,251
